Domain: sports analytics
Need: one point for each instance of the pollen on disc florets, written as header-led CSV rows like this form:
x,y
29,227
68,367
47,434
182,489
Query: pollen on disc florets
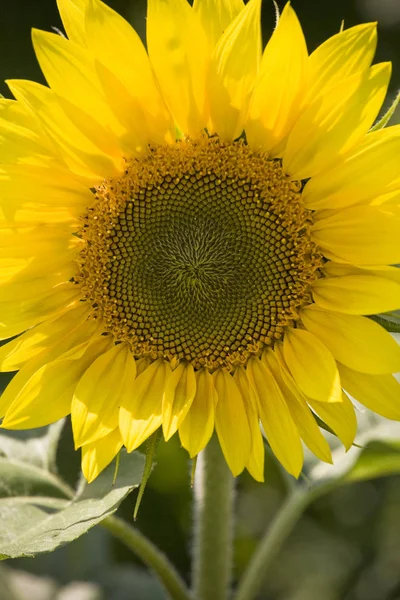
x,y
200,251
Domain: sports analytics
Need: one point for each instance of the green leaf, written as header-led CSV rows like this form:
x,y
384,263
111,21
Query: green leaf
x,y
390,321
377,459
36,516
151,448
376,455
19,479
323,425
40,451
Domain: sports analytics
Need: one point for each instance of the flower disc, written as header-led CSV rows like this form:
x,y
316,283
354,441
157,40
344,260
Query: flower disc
x,y
199,252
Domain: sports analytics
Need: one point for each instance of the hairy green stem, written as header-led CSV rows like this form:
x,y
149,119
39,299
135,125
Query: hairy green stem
x,y
150,555
269,546
213,525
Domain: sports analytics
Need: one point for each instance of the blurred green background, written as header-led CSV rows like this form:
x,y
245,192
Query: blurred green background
x,y
346,547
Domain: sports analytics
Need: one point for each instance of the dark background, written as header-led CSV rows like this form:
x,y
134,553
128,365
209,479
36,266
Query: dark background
x,y
347,546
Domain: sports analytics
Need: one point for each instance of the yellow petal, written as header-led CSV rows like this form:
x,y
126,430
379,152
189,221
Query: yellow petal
x,y
132,137
178,398
355,341
17,215
21,214
21,139
333,269
46,396
388,198
380,393
141,411
72,345
388,272
99,393
296,402
51,187
70,73
308,428
280,429
142,364
25,313
15,273
341,56
29,277
132,93
334,123
255,464
22,254
216,15
233,71
41,195
79,152
98,455
36,288
72,13
36,241
275,101
179,53
371,169
231,422
339,416
197,428
364,235
312,365
90,127
70,326
357,294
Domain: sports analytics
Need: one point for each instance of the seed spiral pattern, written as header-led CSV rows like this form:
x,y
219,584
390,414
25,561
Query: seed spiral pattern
x,y
200,251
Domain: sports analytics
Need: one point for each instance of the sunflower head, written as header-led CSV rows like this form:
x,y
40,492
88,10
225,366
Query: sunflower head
x,y
195,233
200,252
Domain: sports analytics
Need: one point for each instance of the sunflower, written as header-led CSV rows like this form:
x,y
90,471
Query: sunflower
x,y
193,233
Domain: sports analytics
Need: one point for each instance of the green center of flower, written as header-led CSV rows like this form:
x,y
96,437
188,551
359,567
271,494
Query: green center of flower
x,y
200,252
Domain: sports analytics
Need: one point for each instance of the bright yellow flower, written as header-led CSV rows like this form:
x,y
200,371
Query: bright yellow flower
x,y
192,235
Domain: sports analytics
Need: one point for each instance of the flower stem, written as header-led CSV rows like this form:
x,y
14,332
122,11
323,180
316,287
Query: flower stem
x,y
150,555
213,526
269,546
